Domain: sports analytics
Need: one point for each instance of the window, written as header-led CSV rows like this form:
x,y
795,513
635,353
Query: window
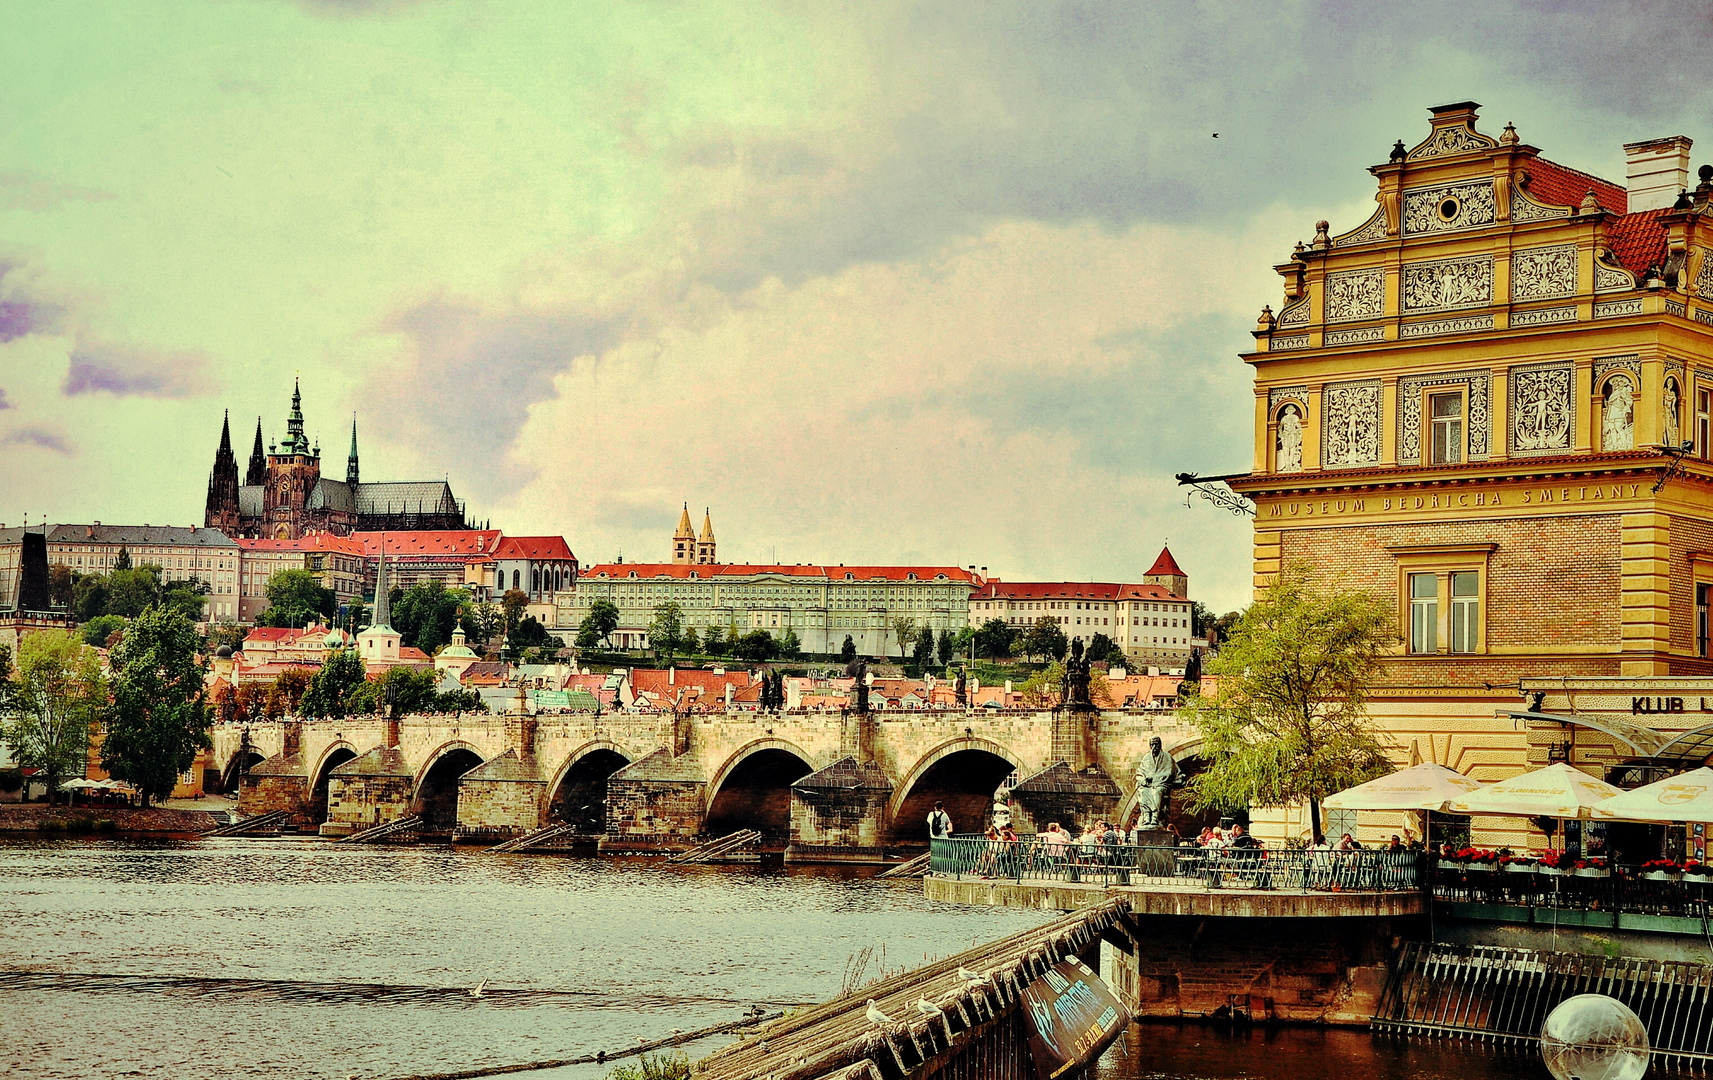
x,y
1424,613
1703,428
1445,436
1465,611
1703,593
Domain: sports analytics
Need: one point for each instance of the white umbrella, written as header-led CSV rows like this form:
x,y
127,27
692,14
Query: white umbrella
x,y
1420,787
1557,791
1685,797
79,784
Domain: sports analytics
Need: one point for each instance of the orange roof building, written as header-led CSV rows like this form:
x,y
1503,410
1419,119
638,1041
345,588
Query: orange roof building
x,y
1151,622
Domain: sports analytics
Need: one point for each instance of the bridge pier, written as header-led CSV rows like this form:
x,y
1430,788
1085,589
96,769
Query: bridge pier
x,y
838,814
1066,795
500,798
369,790
656,803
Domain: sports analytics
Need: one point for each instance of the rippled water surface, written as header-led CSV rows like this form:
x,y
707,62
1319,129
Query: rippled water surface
x,y
246,958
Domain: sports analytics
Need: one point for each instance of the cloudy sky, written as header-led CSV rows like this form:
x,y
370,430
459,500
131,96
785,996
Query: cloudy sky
x,y
936,283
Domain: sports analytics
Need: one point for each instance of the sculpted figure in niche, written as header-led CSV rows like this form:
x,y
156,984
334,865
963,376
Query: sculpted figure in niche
x,y
1290,452
1618,421
1673,434
1156,775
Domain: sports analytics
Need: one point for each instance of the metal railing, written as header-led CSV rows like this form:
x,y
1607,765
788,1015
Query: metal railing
x,y
1624,890
1033,858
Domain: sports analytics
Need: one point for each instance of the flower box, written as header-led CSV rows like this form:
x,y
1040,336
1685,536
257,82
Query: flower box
x,y
1520,868
1453,865
1553,871
1592,871
1481,866
1661,875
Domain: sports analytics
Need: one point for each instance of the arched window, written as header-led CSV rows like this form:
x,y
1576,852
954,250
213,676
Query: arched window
x,y
535,580
515,579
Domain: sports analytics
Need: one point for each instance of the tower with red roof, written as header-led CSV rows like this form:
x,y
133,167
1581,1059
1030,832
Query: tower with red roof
x,y
1165,573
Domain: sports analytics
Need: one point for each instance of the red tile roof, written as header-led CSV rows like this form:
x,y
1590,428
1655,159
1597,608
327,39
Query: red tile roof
x,y
1071,590
270,633
451,542
1638,240
1557,185
536,548
654,680
1165,565
317,542
684,571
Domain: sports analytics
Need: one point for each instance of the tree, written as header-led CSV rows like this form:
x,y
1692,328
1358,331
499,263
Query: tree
x,y
284,694
530,634
229,634
49,706
757,646
1288,721
666,632
994,639
482,624
922,655
99,630
512,606
89,597
948,648
691,642
1043,689
1101,647
357,616
718,642
61,581
1046,639
847,651
123,562
159,718
1223,625
413,691
296,598
426,613
330,690
1201,619
903,631
597,627
186,597
131,591
790,645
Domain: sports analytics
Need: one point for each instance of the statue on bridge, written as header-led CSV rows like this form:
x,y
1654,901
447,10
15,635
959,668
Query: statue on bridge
x,y
858,670
1156,775
773,691
963,689
1074,695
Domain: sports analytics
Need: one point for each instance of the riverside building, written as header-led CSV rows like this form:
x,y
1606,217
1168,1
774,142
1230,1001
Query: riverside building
x,y
1492,401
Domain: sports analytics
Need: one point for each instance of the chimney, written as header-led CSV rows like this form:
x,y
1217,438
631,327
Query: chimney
x,y
1657,170
672,676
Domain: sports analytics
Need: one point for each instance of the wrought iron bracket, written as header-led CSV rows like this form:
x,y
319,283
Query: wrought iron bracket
x,y
1676,454
1218,494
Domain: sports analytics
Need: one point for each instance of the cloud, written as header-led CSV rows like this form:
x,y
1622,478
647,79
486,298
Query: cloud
x,y
22,313
132,371
39,437
4,404
25,190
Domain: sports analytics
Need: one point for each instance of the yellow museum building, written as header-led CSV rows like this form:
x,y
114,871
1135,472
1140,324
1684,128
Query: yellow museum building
x,y
1492,400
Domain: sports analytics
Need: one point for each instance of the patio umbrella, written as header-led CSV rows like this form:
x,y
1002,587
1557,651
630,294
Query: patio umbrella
x,y
79,784
1557,791
1420,787
1685,797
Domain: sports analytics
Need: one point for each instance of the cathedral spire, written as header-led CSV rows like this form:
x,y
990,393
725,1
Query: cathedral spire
x,y
351,462
221,509
296,442
684,540
382,619
257,475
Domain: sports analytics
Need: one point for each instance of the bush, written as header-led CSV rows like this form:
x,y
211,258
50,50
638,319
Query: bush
x,y
674,1066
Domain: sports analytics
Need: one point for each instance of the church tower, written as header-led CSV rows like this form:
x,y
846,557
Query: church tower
x,y
705,544
351,462
221,510
1165,573
684,540
257,475
292,473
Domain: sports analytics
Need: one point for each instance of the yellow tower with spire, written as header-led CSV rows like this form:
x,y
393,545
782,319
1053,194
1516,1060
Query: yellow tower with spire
x,y
705,544
684,540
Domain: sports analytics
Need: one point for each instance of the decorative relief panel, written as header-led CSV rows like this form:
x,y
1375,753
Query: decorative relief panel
x,y
1356,335
1543,273
1446,326
1608,364
1285,344
1524,208
1611,278
1448,283
1286,393
1355,294
1478,385
1544,316
1297,314
1543,411
1450,140
1369,231
1612,309
1448,208
1675,307
1350,424
1704,276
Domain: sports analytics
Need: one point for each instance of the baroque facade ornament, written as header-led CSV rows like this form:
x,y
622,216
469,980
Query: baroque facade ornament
x,y
1369,231
1542,409
1356,335
1543,273
1611,278
1704,276
1288,451
1298,394
1613,309
1675,307
1524,208
1285,344
1446,326
1297,314
1618,415
1544,316
1448,283
1355,294
1449,140
1606,365
1449,208
1350,424
1478,385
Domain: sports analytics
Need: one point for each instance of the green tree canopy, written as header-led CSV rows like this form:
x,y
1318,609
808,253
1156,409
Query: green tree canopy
x,y
1102,648
757,646
1288,721
123,562
666,632
948,648
331,688
99,630
1045,638
159,717
89,597
790,645
847,651
48,707
482,624
597,627
512,606
425,614
297,598
530,634
922,652
994,639
903,629
692,643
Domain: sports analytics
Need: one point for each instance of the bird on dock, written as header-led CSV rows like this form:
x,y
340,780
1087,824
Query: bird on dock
x,y
477,992
928,1008
969,976
875,1016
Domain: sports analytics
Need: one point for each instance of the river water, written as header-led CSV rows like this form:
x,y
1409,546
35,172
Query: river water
x,y
247,958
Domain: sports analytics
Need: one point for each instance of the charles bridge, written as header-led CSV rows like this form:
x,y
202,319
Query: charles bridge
x,y
829,786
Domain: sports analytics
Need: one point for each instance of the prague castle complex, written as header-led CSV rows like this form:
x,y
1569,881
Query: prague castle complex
x,y
1491,401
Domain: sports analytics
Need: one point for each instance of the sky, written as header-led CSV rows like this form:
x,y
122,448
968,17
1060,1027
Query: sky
x,y
928,284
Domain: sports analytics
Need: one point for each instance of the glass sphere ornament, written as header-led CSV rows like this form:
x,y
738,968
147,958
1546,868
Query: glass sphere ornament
x,y
1594,1037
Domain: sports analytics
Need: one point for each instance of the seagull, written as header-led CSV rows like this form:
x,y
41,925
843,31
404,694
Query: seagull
x,y
1216,134
928,1008
477,992
875,1016
968,976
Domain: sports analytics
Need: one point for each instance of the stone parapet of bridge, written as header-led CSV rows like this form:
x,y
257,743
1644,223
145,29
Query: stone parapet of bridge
x,y
648,782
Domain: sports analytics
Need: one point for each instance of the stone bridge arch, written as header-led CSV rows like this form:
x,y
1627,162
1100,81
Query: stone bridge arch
x,y
752,789
577,791
957,772
435,790
333,755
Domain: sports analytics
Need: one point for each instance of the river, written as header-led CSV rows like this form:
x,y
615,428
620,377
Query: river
x,y
252,958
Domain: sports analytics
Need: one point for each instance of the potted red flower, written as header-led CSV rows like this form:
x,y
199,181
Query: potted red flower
x,y
1593,866
1662,870
1519,863
1480,858
1557,863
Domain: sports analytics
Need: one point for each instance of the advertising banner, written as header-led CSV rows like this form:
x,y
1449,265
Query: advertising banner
x,y
1074,1017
